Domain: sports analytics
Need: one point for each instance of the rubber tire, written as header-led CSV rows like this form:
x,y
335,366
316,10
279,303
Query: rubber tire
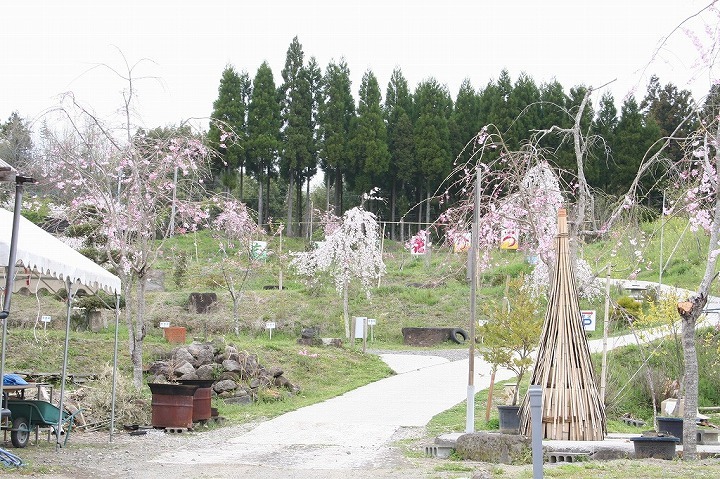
x,y
20,434
454,334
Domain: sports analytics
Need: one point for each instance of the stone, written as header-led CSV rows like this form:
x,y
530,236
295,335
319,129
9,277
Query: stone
x,y
482,474
189,376
183,368
494,447
201,303
309,333
238,400
232,366
432,336
336,342
206,371
275,371
231,376
182,354
224,385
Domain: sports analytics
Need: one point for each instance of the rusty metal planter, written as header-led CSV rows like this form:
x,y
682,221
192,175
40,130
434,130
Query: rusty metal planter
x,y
202,411
172,405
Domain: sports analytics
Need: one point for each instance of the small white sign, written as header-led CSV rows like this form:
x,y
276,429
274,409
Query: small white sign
x,y
360,327
164,324
45,319
588,319
270,325
372,322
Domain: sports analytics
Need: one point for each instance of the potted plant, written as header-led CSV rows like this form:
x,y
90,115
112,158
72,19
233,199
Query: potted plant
x,y
509,337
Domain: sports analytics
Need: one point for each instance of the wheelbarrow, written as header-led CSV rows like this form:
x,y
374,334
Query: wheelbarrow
x,y
31,414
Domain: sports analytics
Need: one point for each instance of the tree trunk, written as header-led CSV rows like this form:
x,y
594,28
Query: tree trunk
x,y
309,210
346,308
691,384
327,191
338,193
139,334
242,177
267,197
291,187
260,203
393,195
299,205
427,209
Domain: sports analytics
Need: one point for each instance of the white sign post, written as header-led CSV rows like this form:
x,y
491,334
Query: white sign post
x,y
45,320
588,319
270,325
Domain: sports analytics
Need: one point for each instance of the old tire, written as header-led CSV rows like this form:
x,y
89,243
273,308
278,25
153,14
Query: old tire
x,y
20,432
458,332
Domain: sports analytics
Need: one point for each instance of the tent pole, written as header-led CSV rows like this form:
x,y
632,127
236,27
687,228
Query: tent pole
x,y
65,361
10,271
115,365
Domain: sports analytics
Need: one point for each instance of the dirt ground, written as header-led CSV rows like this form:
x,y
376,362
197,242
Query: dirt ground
x,y
90,455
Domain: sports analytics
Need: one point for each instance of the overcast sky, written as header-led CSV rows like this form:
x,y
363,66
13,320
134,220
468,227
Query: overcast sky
x,y
50,47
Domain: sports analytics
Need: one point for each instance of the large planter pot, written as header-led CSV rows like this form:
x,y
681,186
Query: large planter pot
x,y
509,419
202,411
671,425
657,447
172,405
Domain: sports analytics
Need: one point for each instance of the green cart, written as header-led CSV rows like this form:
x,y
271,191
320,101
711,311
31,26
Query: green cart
x,y
31,414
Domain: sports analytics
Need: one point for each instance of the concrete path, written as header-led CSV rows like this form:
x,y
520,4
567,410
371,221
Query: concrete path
x,y
353,431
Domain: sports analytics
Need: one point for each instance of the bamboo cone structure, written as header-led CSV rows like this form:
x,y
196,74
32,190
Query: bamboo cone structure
x,y
571,405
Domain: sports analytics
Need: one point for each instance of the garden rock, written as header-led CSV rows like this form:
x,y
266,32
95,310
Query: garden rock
x,y
224,386
201,303
236,374
494,448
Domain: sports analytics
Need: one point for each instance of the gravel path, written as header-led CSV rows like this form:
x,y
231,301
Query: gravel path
x,y
365,433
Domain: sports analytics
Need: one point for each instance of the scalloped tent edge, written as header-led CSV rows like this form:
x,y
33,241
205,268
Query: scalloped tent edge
x,y
39,250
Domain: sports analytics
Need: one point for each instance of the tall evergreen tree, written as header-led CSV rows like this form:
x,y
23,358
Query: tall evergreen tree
x,y
315,79
16,145
297,132
230,116
672,110
398,108
264,122
368,142
465,120
336,113
525,102
433,107
634,137
604,126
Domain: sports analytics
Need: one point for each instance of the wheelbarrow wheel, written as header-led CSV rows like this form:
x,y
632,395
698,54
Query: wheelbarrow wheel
x,y
20,432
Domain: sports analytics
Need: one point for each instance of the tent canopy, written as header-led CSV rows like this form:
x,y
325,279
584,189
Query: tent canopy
x,y
41,251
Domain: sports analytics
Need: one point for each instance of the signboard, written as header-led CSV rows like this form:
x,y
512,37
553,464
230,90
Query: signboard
x,y
258,250
270,325
372,322
461,242
588,319
45,319
164,324
509,239
360,327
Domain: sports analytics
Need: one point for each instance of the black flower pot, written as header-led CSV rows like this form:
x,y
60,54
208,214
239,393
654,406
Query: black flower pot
x,y
509,419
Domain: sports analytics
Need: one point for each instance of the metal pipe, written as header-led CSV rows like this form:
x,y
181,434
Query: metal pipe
x,y
115,366
10,271
65,360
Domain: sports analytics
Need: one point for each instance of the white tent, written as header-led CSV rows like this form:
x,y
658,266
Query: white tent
x,y
41,251
38,250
